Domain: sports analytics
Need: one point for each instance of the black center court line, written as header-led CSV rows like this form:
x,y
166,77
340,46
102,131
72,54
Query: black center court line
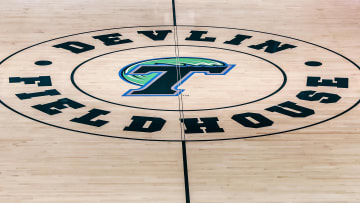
x,y
174,12
186,177
183,142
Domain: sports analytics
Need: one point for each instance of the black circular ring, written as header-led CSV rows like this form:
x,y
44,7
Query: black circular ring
x,y
209,109
234,138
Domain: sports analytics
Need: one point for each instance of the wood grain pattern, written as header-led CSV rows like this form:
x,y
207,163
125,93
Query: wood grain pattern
x,y
39,163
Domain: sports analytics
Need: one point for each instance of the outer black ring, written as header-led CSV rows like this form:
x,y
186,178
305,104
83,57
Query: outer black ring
x,y
235,138
217,108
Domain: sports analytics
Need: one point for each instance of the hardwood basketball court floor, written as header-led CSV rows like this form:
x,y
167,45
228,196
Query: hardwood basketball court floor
x,y
179,101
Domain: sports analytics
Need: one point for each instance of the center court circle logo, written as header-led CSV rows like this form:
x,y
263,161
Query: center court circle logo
x,y
124,83
163,76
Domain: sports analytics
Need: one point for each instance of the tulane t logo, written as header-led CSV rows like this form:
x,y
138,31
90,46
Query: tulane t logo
x,y
160,77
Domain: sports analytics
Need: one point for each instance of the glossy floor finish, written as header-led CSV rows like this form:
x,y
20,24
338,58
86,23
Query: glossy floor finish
x,y
314,157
